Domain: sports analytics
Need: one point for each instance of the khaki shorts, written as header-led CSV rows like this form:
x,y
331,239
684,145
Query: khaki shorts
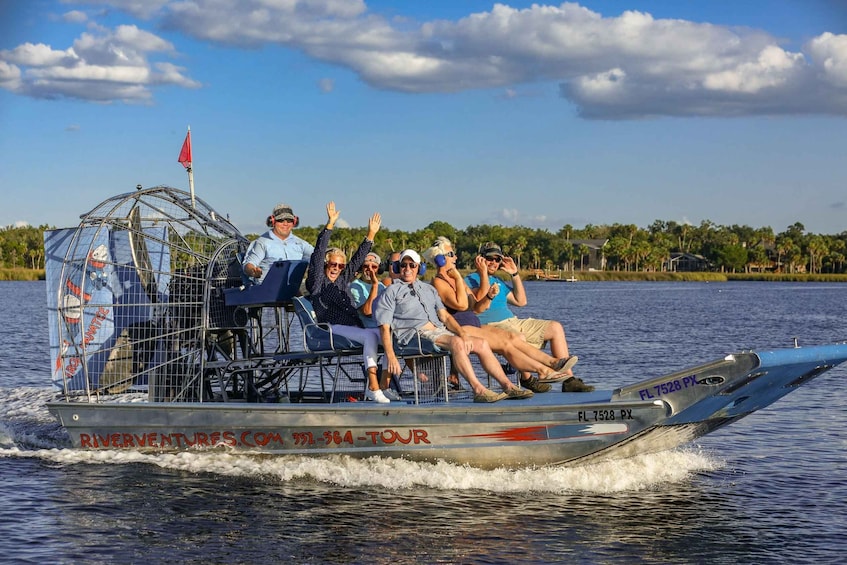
x,y
433,335
531,328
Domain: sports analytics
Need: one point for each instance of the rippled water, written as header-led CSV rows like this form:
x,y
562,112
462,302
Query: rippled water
x,y
768,488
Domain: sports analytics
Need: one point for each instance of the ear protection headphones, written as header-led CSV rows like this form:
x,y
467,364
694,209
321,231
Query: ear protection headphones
x,y
271,221
440,260
395,268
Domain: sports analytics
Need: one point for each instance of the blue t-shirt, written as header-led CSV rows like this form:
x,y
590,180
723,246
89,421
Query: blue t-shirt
x,y
269,248
360,291
499,309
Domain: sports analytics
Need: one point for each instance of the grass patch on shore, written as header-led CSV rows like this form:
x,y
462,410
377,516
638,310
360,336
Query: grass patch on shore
x,y
17,274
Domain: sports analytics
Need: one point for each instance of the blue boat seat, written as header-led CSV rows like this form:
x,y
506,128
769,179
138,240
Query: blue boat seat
x,y
318,337
280,285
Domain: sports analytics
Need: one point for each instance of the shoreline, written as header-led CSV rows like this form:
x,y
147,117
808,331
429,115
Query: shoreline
x,y
581,276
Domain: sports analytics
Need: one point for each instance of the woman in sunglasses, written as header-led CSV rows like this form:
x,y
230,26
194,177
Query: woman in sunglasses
x,y
459,302
329,276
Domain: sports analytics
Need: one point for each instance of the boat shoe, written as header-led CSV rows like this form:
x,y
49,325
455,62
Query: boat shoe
x,y
516,393
376,396
533,384
391,394
490,396
565,363
575,384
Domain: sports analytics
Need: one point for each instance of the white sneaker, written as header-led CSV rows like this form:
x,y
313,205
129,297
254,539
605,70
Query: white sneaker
x,y
376,396
391,394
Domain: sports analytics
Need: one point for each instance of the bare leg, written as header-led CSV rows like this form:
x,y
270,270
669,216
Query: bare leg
x,y
515,350
490,363
461,361
384,380
373,381
555,334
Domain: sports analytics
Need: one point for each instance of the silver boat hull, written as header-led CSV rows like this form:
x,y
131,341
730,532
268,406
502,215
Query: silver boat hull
x,y
551,428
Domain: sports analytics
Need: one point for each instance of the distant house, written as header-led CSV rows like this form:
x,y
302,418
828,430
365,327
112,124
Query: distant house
x,y
596,258
687,262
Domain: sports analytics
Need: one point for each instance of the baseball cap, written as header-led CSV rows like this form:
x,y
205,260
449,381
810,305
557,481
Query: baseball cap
x,y
489,248
283,212
372,258
411,254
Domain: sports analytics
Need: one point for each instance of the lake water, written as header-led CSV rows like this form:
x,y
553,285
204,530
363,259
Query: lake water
x,y
770,488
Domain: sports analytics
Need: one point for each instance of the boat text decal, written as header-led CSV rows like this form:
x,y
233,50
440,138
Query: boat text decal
x,y
251,438
668,387
605,415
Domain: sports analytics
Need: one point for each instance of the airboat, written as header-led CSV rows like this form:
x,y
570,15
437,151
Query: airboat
x,y
157,343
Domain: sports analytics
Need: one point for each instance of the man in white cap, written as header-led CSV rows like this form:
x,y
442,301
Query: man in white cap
x,y
276,244
410,308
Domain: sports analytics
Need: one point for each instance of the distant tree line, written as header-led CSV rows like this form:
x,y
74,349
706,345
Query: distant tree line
x,y
733,249
22,247
627,247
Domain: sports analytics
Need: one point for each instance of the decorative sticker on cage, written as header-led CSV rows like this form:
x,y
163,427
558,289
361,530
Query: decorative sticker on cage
x,y
103,305
80,278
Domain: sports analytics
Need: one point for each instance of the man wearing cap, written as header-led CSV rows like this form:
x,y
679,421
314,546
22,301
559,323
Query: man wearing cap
x,y
410,308
276,244
493,301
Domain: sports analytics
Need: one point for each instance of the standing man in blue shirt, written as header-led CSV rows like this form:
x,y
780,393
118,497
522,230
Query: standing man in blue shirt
x,y
276,244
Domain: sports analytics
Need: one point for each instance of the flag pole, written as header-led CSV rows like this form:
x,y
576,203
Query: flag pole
x,y
191,185
185,159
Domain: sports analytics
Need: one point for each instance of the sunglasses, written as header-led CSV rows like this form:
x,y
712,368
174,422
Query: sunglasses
x,y
335,265
408,266
286,221
450,254
495,259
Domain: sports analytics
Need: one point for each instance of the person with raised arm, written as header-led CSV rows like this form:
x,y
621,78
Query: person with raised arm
x,y
329,276
493,300
459,302
411,309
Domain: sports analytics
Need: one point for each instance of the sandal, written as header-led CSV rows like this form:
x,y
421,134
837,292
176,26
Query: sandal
x,y
565,363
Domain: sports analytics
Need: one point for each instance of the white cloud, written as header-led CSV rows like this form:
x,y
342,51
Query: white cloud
x,y
510,215
74,17
139,8
773,68
102,66
829,51
610,67
37,55
10,76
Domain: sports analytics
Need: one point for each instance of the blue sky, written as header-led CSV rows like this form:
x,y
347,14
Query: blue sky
x,y
469,112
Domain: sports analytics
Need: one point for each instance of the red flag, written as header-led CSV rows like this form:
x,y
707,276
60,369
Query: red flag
x,y
185,154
